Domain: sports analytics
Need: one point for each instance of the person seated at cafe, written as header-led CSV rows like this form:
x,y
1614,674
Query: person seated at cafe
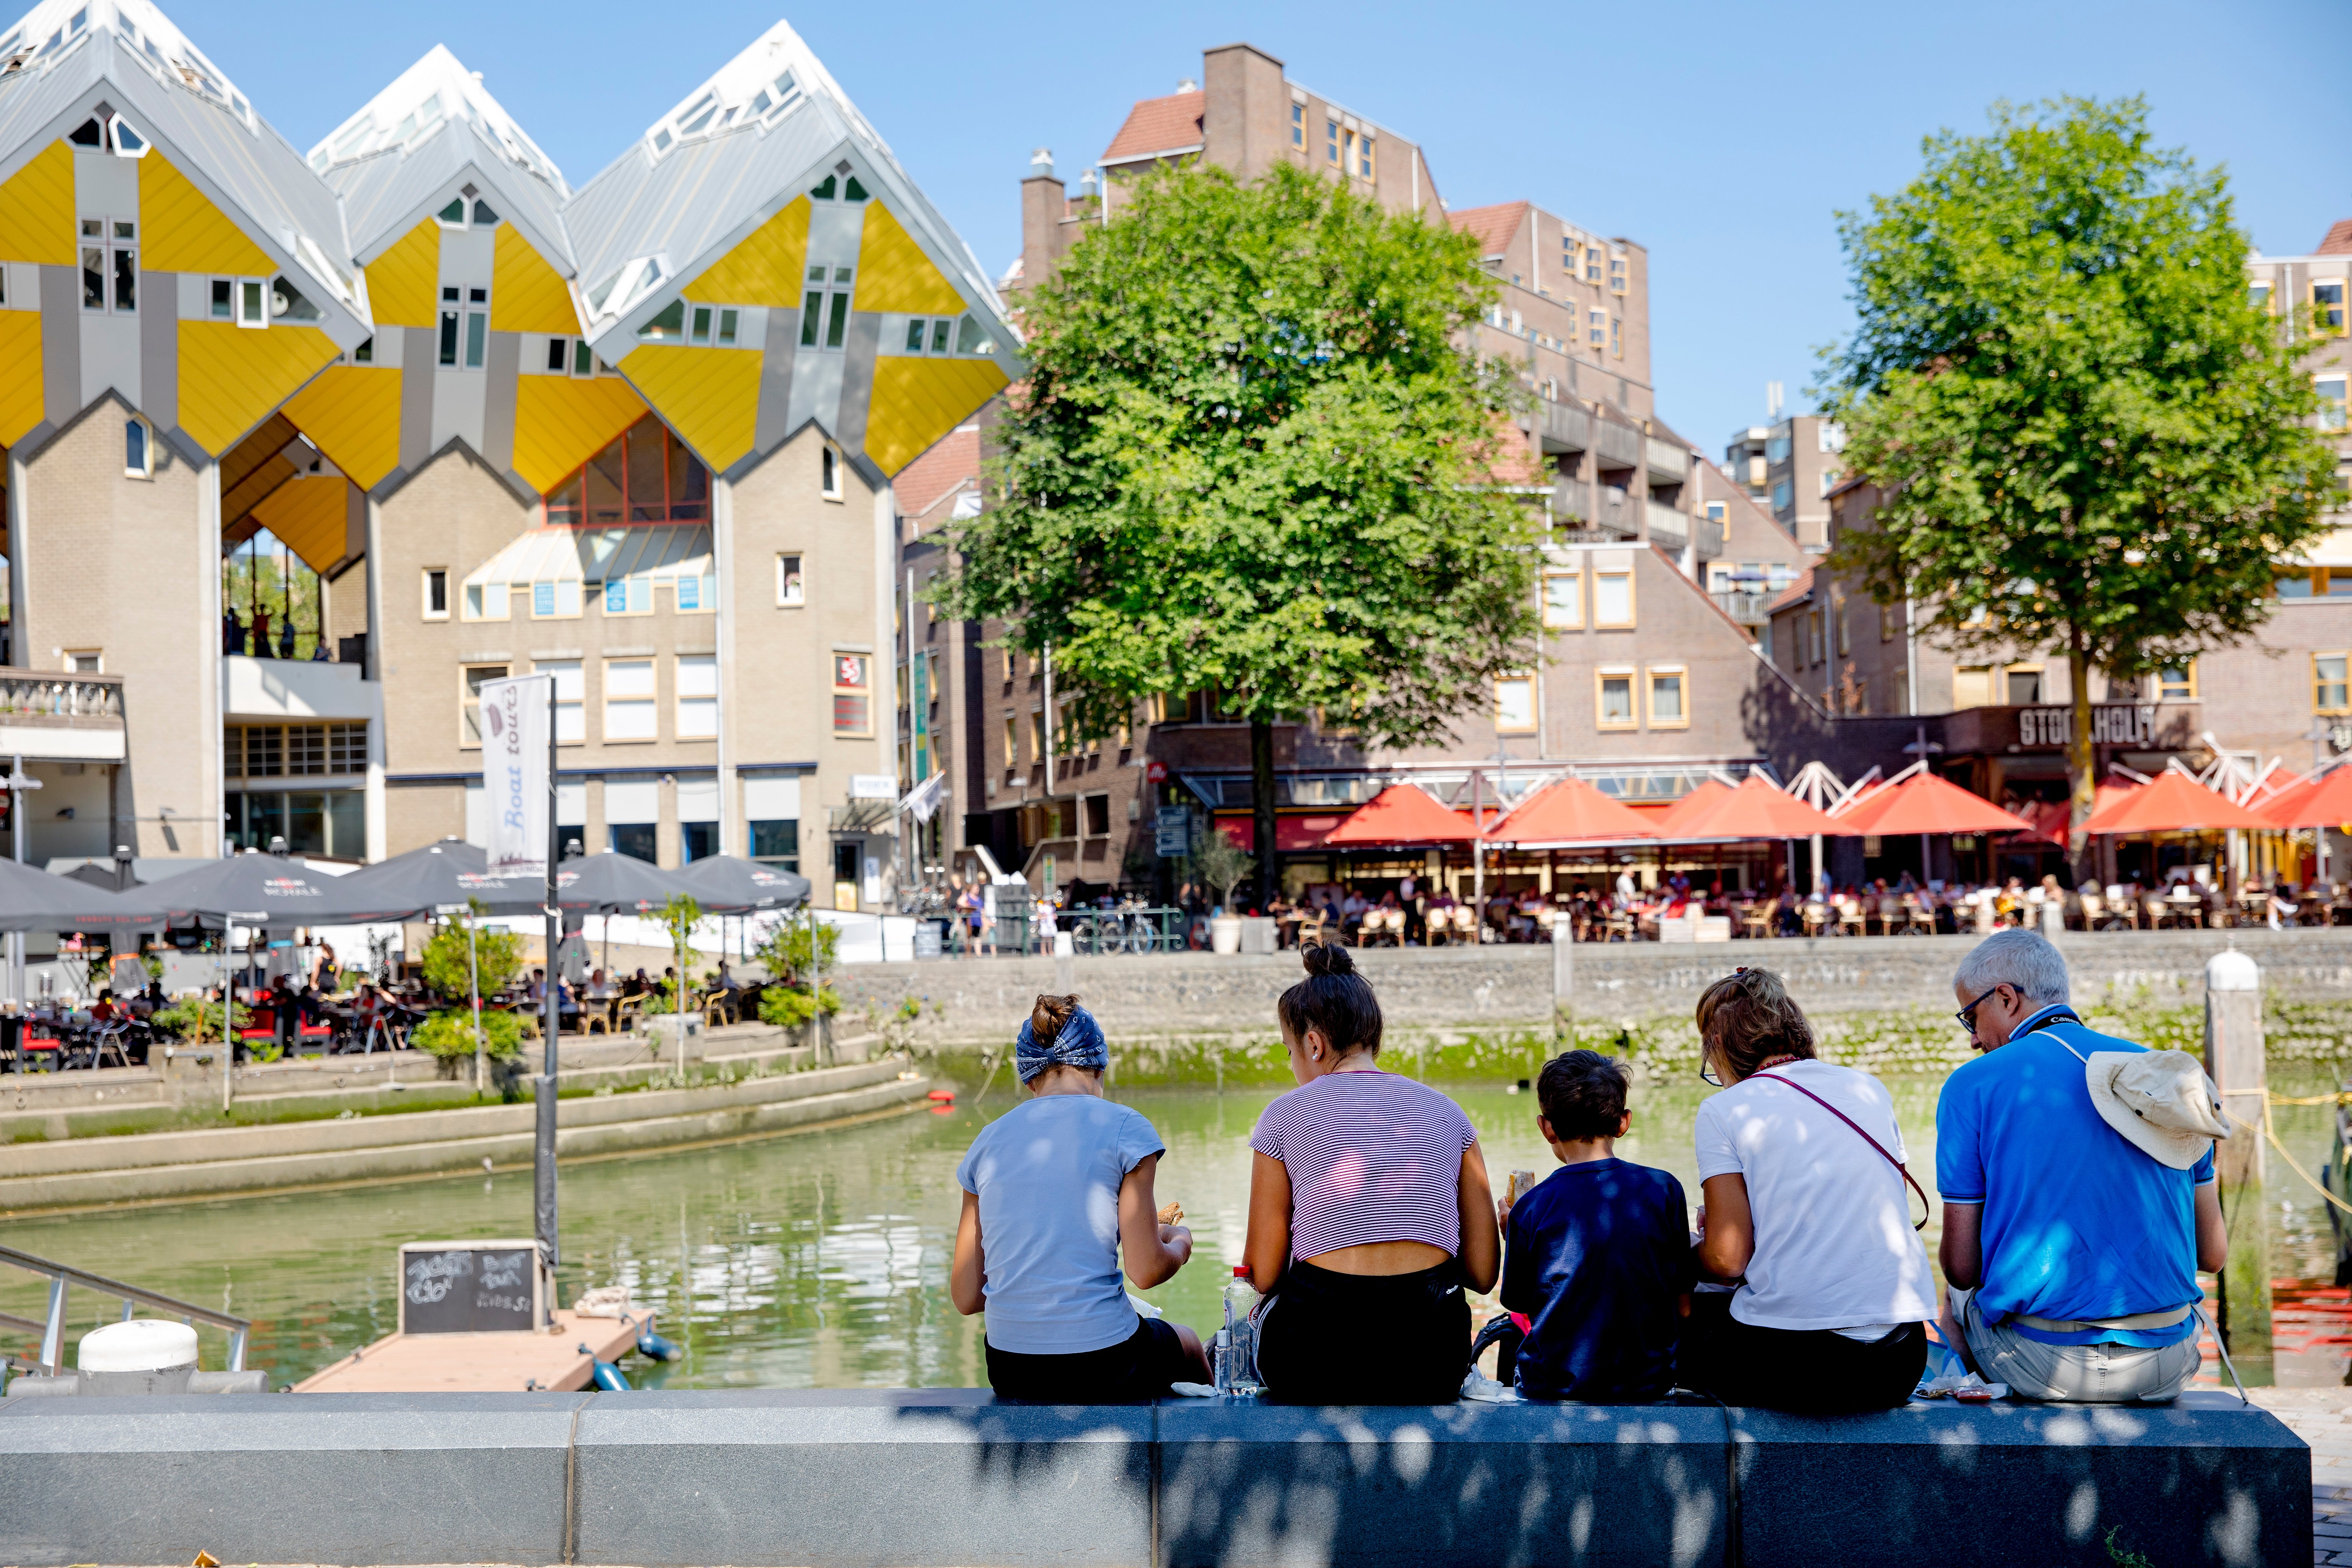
x,y
2078,1183
1788,915
636,984
104,1011
323,974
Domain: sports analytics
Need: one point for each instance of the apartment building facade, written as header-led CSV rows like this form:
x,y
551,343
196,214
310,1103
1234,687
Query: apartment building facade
x,y
640,437
1647,677
1791,467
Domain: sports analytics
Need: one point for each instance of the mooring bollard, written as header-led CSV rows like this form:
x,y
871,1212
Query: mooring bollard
x,y
2233,1054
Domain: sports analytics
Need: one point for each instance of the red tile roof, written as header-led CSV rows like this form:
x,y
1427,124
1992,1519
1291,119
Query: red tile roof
x,y
949,466
2339,239
1796,593
1159,125
1491,226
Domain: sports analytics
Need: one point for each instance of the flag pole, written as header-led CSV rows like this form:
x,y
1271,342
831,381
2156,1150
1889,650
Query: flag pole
x,y
552,1018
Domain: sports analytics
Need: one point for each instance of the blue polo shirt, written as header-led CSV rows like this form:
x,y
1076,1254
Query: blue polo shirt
x,y
2079,1222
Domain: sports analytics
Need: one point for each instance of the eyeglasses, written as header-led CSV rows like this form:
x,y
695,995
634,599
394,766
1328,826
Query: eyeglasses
x,y
1967,1015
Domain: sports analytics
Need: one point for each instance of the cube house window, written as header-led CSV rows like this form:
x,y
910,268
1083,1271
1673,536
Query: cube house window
x,y
437,594
469,701
697,696
2025,685
829,473
1616,700
791,588
138,450
571,719
630,713
853,694
2331,401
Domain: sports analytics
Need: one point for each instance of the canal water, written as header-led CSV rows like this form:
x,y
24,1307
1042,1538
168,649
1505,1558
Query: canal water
x,y
818,1260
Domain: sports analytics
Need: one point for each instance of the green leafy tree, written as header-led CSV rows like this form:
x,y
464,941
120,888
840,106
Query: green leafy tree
x,y
1253,457
2087,438
797,952
450,1033
497,960
1223,865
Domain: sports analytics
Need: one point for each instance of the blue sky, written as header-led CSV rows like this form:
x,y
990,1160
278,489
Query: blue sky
x,y
1723,137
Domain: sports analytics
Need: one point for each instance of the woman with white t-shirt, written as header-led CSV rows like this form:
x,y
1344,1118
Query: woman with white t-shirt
x,y
1807,1212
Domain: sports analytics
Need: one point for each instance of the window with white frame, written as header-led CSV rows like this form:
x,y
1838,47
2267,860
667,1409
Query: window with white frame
x,y
1596,329
1592,254
556,599
1830,478
2327,311
2258,294
465,326
109,265
486,600
573,357
1298,125
138,450
697,696
829,472
630,700
1616,275
853,694
435,590
1365,164
466,211
1563,598
469,700
824,307
571,711
792,585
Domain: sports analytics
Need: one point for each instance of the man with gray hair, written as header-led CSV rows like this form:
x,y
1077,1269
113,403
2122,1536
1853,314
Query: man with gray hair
x,y
2077,1179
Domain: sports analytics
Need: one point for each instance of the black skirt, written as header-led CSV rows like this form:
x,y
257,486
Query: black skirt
x,y
1137,1368
1365,1338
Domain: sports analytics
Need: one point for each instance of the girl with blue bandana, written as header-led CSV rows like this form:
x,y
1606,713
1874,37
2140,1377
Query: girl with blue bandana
x,y
1054,1190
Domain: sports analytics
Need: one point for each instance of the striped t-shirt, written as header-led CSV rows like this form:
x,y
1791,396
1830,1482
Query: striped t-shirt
x,y
1371,1157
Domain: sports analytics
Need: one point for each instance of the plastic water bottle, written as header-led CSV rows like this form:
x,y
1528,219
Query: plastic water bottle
x,y
1239,1336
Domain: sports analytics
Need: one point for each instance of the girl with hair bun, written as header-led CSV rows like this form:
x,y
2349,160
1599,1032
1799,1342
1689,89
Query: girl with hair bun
x,y
1054,1191
1368,1212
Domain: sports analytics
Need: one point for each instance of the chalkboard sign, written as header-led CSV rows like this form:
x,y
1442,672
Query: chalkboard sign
x,y
471,1288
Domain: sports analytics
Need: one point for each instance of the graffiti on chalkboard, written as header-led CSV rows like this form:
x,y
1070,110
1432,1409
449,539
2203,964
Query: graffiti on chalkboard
x,y
431,1276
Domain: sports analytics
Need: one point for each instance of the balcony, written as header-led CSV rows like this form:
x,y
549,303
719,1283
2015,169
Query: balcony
x,y
1711,533
64,718
297,689
1669,529
1668,464
1748,609
1620,445
1558,427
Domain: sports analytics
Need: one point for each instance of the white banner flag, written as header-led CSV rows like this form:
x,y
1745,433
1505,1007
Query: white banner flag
x,y
514,773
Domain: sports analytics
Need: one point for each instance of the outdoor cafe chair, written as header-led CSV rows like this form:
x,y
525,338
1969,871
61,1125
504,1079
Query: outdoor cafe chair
x,y
1850,920
1755,920
717,1008
1890,912
2086,909
1917,919
109,1038
1819,919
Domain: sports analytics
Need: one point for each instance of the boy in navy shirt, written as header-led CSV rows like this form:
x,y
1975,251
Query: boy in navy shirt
x,y
1598,1255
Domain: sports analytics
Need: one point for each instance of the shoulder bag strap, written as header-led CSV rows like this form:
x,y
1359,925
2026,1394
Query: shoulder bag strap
x,y
1866,1137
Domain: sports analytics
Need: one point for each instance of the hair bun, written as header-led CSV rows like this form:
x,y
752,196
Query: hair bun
x,y
1050,1016
1326,958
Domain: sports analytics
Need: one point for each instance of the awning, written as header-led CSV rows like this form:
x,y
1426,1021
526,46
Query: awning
x,y
2050,820
1926,804
1572,811
2175,802
1402,815
1691,807
1292,835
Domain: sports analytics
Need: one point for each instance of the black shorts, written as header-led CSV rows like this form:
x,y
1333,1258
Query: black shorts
x,y
1137,1369
1808,1371
1365,1338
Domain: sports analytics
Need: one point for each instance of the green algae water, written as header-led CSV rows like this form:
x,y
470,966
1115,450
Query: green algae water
x,y
819,1260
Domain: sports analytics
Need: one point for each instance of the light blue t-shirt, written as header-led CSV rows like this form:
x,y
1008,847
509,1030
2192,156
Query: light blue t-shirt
x,y
1048,1174
2079,1222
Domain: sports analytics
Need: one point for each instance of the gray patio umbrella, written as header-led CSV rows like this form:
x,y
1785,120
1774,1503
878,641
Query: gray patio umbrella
x,y
609,884
731,885
255,889
450,872
33,899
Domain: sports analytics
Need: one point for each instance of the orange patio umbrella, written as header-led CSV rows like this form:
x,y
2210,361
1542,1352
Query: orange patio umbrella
x,y
1926,804
2174,802
1570,812
1667,823
2323,802
1757,809
1400,814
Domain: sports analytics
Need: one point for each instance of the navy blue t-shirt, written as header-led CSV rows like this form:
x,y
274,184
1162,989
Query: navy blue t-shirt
x,y
1595,1255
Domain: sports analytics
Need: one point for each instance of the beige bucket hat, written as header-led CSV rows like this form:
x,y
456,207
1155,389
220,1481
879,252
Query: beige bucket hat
x,y
2161,1100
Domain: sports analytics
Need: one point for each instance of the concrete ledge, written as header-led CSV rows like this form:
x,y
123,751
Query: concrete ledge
x,y
588,1127
949,1478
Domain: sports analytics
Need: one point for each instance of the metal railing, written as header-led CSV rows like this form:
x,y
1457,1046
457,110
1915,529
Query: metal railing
x,y
1747,609
66,697
1092,933
64,1277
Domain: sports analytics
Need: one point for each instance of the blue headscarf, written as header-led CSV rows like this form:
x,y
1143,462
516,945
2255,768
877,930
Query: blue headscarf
x,y
1079,1045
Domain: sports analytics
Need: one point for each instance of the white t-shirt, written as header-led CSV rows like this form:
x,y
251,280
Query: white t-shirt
x,y
1834,1246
